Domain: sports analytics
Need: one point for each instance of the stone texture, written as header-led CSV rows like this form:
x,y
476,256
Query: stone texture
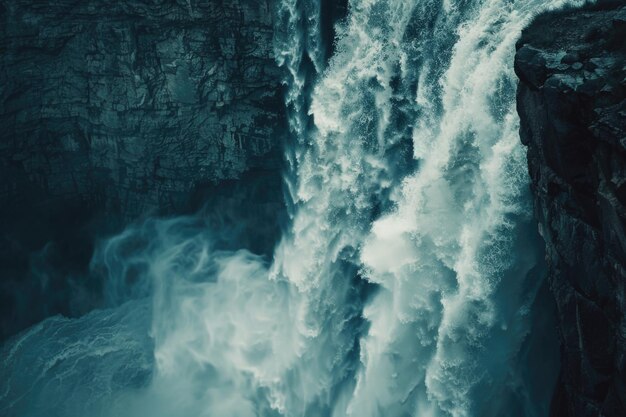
x,y
138,99
112,110
572,104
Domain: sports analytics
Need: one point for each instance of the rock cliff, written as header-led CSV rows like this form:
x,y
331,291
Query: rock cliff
x,y
572,104
111,110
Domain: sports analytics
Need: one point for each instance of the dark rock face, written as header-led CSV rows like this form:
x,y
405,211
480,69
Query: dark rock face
x,y
110,110
572,104
139,99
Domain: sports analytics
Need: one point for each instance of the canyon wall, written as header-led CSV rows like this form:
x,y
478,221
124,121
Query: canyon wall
x,y
110,111
572,105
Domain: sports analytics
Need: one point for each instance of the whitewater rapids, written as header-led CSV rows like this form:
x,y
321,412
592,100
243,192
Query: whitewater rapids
x,y
406,283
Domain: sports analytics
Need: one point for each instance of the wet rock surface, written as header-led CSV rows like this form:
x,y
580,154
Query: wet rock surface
x,y
572,104
112,110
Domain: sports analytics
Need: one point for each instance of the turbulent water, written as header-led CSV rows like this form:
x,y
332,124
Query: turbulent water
x,y
406,284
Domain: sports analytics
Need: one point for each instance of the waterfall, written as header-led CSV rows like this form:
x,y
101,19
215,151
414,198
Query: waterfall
x,y
405,283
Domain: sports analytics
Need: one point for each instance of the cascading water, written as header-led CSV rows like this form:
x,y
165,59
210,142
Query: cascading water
x,y
405,283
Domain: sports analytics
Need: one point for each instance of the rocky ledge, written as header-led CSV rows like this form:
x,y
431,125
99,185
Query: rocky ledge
x,y
572,105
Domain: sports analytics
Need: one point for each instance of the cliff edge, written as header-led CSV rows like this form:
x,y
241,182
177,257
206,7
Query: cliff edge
x,y
572,105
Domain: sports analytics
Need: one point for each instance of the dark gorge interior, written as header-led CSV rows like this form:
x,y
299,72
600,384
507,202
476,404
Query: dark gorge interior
x,y
312,208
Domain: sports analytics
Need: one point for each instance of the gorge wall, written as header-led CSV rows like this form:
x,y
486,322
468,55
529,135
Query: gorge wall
x,y
572,104
111,110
